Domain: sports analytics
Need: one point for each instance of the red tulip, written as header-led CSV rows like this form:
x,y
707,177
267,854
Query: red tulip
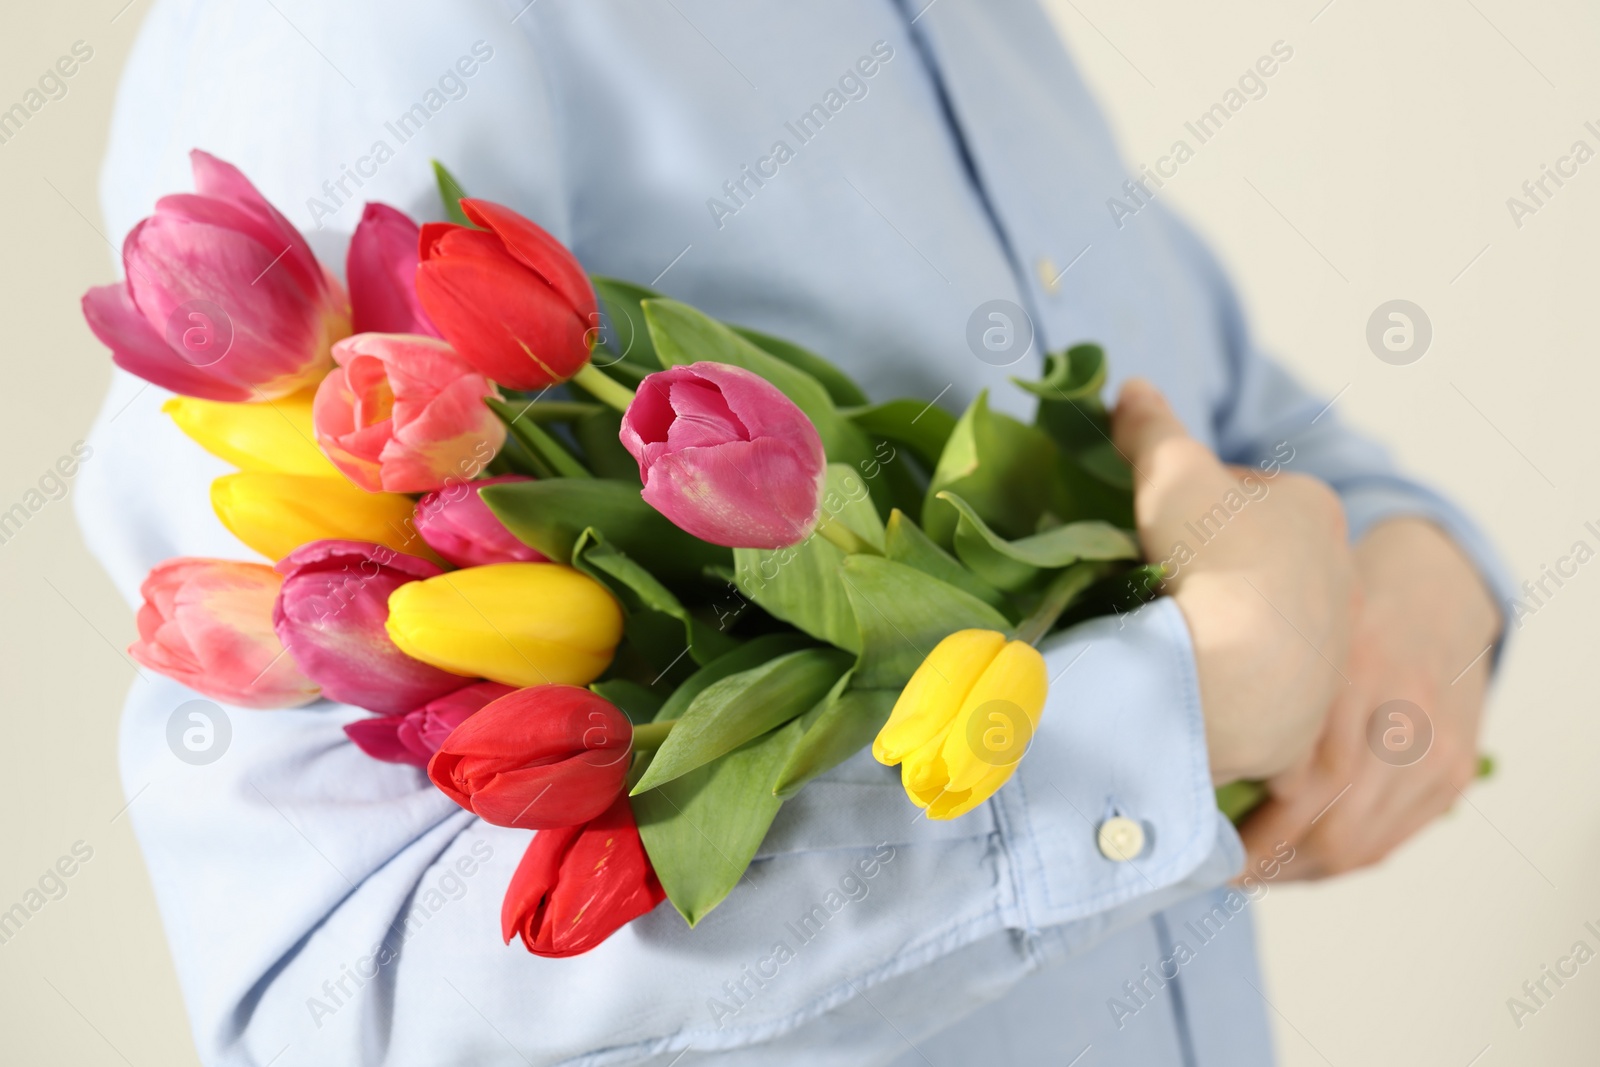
x,y
223,299
726,456
208,624
415,736
330,615
547,756
508,297
458,525
578,885
381,268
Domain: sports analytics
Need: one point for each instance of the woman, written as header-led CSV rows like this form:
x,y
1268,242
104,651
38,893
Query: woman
x,y
920,193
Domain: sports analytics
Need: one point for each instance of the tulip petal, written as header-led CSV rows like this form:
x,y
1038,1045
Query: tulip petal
x,y
381,268
215,178
577,886
539,252
1007,698
139,349
458,525
744,494
331,616
930,700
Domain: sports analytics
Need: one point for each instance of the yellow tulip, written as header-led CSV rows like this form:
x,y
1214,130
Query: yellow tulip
x,y
964,720
518,624
277,513
274,435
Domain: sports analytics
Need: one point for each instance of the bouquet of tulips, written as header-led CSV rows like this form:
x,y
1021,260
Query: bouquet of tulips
x,y
607,568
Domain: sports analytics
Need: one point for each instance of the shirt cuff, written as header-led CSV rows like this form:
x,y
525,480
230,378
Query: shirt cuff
x,y
1122,736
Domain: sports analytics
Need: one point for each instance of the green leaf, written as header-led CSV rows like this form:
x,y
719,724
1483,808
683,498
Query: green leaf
x,y
1008,471
551,516
753,653
906,543
742,706
923,428
902,613
549,455
1010,565
543,411
800,585
1238,799
702,830
641,594
839,726
846,499
684,335
625,337
639,703
450,192
844,392
598,432
1078,372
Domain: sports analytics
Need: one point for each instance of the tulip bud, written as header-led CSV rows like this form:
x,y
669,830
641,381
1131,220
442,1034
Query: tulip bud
x,y
277,513
522,624
726,456
330,615
415,736
271,436
459,526
208,624
381,268
405,414
552,755
964,720
222,298
508,297
578,885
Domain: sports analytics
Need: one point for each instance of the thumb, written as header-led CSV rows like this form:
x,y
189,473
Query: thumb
x,y
1172,472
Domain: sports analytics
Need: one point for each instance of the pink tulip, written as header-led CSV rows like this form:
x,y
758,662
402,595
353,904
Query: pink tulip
x,y
458,525
726,456
415,736
222,298
330,615
208,624
381,268
403,413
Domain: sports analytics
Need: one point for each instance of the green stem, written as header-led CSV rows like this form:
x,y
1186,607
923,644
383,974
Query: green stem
x,y
648,736
607,390
845,539
1063,589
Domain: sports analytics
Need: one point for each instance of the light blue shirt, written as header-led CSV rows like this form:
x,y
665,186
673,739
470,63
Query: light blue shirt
x,y
859,177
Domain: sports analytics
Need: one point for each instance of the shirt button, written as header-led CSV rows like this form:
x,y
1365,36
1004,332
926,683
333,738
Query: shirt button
x,y
1121,839
1049,276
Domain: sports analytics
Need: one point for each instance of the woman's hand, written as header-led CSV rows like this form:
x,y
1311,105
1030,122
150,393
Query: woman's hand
x,y
1262,571
1422,635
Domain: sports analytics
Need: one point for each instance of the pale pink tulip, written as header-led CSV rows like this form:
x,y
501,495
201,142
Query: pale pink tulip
x,y
403,413
208,624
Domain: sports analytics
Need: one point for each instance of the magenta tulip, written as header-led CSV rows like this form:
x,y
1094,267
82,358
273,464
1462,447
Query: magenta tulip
x,y
402,413
415,736
222,298
458,525
208,624
381,268
726,456
330,615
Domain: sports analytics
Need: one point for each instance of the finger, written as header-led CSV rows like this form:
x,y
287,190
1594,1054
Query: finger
x,y
1173,474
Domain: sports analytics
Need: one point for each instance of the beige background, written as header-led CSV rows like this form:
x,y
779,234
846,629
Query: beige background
x,y
1376,167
